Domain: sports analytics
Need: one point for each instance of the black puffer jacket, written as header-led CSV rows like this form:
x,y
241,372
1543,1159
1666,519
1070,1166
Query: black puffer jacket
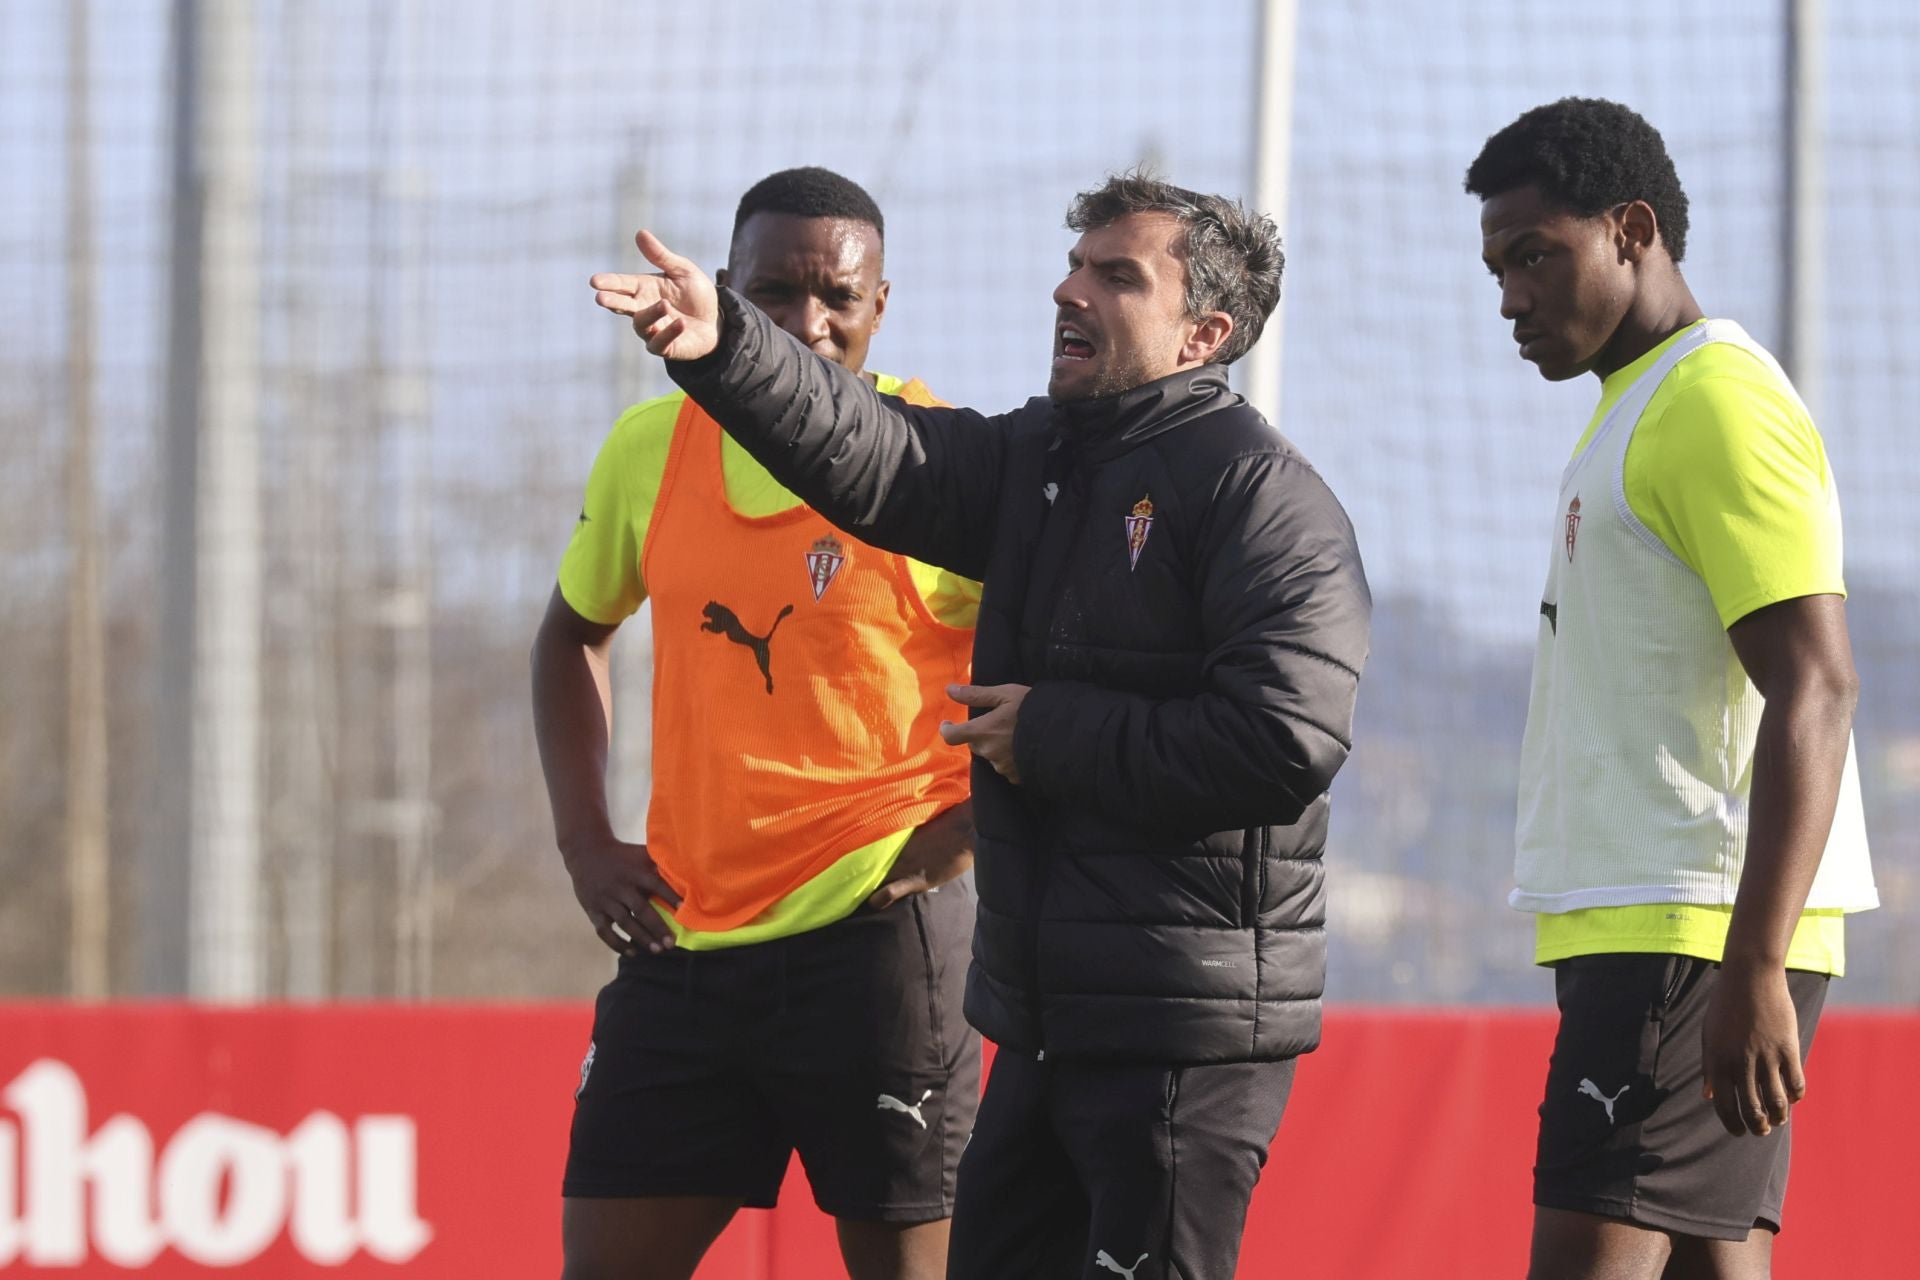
x,y
1185,598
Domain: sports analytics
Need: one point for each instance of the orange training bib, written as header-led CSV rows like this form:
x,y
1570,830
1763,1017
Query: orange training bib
x,y
799,685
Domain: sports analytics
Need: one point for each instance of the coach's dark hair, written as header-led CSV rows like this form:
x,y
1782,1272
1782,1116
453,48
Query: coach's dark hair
x,y
1233,256
809,192
1587,155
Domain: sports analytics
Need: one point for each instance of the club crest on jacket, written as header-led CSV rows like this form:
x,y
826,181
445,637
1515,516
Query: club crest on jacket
x,y
1139,525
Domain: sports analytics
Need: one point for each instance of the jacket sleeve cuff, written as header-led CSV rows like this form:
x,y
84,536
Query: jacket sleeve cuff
x,y
735,330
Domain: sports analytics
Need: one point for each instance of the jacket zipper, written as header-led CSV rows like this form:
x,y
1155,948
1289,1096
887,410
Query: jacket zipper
x,y
1073,491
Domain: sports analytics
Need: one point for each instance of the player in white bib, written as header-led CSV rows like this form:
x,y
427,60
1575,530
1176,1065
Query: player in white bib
x,y
1690,833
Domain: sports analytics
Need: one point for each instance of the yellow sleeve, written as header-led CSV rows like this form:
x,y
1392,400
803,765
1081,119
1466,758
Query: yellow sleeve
x,y
600,570
952,599
1733,478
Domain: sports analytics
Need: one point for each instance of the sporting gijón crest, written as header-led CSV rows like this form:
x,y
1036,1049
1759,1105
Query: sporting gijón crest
x,y
1573,526
824,561
1139,525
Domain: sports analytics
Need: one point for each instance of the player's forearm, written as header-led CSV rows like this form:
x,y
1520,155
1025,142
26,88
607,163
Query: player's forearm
x,y
1799,758
573,724
953,828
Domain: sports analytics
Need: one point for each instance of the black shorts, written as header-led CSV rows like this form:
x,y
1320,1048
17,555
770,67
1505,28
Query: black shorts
x,y
1103,1169
1624,1130
709,1069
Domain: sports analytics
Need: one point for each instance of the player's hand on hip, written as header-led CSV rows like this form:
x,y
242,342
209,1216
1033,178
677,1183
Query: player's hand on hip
x,y
676,309
613,880
989,736
1750,1050
941,850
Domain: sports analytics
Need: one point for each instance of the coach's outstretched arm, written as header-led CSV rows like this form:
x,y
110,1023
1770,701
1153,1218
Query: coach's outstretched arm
x,y
920,481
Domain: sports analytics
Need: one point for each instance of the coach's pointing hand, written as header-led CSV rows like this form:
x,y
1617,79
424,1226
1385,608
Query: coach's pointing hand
x,y
988,736
676,310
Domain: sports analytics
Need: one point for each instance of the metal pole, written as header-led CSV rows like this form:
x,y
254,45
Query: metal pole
x,y
1272,169
226,957
89,896
165,868
1803,282
636,377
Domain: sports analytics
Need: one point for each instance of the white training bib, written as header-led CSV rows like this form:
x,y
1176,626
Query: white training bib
x,y
1637,764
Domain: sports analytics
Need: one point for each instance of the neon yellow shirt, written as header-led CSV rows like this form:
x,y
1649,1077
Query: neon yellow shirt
x,y
600,580
1728,470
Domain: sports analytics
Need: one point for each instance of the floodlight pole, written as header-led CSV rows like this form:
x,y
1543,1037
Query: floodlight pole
x,y
225,955
89,893
1272,169
163,862
637,377
1803,281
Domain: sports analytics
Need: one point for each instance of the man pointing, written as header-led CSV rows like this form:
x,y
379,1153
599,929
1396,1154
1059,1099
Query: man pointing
x,y
1168,647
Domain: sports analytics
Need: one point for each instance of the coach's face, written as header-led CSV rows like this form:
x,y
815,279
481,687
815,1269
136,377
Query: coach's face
x,y
1566,281
1122,310
817,278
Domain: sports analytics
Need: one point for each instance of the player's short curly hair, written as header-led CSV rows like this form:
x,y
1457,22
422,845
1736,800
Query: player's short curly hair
x,y
809,192
1587,155
1233,255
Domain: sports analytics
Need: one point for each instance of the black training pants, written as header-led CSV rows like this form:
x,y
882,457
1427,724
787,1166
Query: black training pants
x,y
1099,1170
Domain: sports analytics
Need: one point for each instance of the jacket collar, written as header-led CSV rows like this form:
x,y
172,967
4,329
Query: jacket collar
x,y
1108,426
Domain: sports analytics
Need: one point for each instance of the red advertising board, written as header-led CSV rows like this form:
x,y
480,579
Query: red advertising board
x,y
427,1141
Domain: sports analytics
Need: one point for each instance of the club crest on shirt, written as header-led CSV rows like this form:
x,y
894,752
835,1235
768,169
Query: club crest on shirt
x,y
1139,525
1573,525
824,561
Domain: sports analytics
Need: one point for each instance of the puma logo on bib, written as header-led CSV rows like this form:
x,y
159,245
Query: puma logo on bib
x,y
722,622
